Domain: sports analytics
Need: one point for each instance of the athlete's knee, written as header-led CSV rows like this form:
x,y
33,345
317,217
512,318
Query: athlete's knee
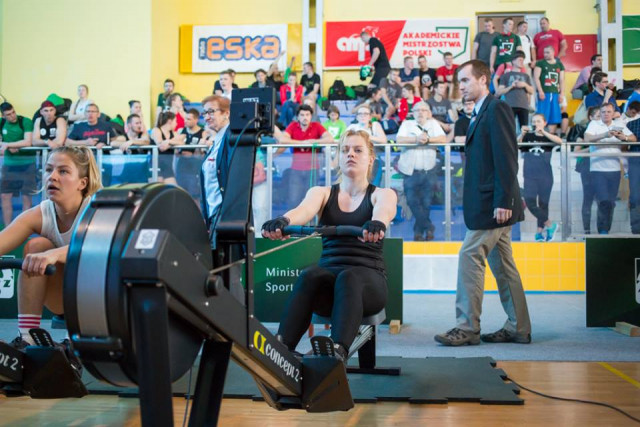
x,y
310,278
36,245
349,281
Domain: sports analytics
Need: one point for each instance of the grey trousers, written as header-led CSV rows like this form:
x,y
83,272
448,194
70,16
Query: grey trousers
x,y
494,246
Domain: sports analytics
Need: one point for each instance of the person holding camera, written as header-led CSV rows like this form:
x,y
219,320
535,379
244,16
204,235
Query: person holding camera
x,y
538,175
605,171
418,165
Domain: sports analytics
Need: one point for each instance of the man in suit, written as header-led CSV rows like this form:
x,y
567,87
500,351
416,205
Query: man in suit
x,y
492,204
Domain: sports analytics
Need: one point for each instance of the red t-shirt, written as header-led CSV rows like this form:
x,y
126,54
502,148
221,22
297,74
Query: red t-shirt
x,y
404,109
302,156
179,122
547,38
444,71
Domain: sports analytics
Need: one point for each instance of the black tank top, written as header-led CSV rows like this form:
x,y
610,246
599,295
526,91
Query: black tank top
x,y
48,132
169,150
192,138
133,149
344,250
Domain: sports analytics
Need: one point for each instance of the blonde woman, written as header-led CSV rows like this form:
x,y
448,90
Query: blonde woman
x,y
71,178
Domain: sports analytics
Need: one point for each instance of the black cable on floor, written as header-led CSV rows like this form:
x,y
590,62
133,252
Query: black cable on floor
x,y
188,397
565,399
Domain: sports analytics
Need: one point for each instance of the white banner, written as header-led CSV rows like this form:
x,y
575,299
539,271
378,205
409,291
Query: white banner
x,y
244,48
432,38
7,281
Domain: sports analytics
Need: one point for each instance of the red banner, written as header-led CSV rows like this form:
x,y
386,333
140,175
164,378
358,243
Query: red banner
x,y
580,49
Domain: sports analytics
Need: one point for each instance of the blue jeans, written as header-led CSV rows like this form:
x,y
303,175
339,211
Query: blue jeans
x,y
418,188
634,194
537,192
588,196
288,112
605,187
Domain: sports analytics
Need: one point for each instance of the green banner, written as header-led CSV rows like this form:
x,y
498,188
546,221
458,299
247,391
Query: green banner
x,y
631,39
9,290
613,281
275,275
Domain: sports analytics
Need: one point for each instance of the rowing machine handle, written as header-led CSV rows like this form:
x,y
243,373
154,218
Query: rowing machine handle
x,y
340,230
16,263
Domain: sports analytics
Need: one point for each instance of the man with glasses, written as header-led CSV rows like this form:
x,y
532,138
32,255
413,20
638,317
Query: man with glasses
x,y
418,165
605,171
95,133
602,93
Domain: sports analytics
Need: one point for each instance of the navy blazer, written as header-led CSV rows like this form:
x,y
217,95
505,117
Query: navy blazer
x,y
222,165
491,171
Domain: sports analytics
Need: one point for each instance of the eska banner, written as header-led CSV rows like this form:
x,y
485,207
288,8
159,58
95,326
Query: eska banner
x,y
429,37
244,48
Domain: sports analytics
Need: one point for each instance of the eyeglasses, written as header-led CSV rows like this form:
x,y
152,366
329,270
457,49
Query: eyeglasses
x,y
422,110
363,114
211,111
92,111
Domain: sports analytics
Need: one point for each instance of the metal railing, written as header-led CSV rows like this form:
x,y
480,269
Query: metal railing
x,y
387,152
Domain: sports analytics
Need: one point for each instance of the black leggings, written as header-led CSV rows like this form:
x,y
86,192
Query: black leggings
x,y
347,294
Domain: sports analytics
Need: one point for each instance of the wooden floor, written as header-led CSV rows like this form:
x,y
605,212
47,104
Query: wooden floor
x,y
614,383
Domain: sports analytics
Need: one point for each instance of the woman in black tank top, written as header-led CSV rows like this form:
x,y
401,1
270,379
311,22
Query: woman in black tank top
x,y
162,136
349,281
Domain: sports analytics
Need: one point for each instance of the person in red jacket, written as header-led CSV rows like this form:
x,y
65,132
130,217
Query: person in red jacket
x,y
291,98
407,102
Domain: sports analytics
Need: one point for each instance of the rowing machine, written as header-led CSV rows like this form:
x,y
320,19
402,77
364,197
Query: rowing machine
x,y
141,296
42,371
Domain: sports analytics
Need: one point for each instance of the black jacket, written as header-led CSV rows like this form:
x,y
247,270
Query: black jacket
x,y
222,162
491,174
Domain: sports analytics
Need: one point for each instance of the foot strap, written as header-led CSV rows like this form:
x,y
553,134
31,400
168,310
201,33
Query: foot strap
x,y
41,337
322,346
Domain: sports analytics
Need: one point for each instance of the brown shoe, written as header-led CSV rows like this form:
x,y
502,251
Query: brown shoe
x,y
503,335
456,336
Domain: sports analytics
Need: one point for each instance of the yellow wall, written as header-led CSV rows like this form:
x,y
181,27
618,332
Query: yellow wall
x,y
125,49
631,7
54,46
548,267
168,15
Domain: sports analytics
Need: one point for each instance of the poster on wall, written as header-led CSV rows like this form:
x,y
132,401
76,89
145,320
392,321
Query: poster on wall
x,y
631,39
244,48
580,49
412,37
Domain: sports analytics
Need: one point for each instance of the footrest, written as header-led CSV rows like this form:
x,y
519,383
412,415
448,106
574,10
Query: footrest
x,y
41,337
322,346
11,362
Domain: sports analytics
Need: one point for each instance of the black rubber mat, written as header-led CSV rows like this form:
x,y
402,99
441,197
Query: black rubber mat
x,y
431,380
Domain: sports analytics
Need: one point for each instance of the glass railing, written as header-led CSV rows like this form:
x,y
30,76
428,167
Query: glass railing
x,y
286,175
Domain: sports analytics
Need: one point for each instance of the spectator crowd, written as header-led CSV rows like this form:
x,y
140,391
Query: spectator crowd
x,y
416,106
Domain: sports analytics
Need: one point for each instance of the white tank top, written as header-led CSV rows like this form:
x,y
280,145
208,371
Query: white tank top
x,y
50,225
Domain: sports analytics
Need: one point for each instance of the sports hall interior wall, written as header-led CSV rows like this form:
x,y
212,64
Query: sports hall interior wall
x,y
51,47
124,49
